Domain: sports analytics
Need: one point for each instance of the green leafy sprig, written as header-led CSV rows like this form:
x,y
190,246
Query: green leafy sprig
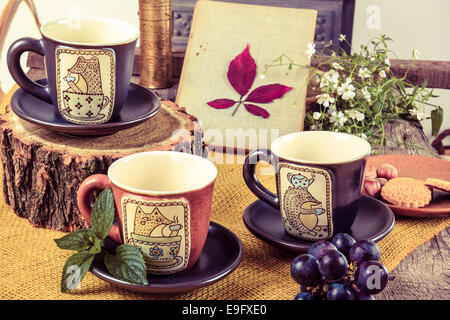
x,y
127,264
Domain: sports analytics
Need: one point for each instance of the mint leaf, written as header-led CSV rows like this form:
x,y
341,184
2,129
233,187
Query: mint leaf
x,y
96,246
77,240
128,264
437,117
102,216
75,269
89,242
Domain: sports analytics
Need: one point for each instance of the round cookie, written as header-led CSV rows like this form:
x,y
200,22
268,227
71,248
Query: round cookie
x,y
438,184
406,192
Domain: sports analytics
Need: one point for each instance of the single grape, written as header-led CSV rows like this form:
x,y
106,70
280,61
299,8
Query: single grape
x,y
340,291
318,248
343,242
371,277
305,270
304,296
364,250
333,265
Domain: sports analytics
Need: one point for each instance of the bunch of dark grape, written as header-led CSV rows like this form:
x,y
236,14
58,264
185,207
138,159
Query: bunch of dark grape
x,y
343,269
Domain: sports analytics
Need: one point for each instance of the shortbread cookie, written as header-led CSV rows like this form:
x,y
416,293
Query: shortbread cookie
x,y
438,184
406,192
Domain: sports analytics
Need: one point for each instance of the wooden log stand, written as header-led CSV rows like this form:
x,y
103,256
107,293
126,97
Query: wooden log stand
x,y
43,169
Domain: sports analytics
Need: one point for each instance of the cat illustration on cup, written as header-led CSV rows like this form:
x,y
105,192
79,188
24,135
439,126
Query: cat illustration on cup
x,y
157,237
84,97
302,208
155,224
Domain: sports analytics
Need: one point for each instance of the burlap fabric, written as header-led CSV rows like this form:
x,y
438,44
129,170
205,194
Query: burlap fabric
x,y
31,264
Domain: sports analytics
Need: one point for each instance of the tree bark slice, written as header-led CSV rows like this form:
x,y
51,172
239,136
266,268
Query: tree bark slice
x,y
43,169
406,137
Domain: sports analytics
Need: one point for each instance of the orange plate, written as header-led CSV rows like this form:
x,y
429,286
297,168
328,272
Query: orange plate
x,y
418,167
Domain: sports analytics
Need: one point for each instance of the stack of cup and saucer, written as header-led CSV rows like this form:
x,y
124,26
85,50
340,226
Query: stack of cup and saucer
x,y
87,89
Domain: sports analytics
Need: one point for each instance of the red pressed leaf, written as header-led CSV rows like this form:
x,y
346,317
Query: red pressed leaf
x,y
221,103
268,93
257,111
242,72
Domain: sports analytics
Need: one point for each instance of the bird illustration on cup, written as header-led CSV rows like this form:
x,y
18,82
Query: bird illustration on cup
x,y
301,207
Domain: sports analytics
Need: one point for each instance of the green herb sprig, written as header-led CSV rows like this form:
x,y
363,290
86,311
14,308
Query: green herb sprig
x,y
127,264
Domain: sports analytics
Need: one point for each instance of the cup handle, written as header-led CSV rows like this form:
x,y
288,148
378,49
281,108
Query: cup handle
x,y
15,51
96,182
252,181
105,102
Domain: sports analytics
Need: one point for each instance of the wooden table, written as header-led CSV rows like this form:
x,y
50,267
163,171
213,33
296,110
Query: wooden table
x,y
423,274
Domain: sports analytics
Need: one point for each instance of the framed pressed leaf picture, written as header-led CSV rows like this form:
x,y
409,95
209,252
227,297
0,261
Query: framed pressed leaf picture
x,y
239,103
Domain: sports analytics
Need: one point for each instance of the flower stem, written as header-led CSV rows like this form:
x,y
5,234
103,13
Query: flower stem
x,y
236,109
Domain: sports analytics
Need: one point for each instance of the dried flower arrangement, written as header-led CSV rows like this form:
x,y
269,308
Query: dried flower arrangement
x,y
359,94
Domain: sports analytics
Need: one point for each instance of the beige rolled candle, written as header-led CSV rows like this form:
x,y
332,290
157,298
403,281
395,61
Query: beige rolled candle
x,y
155,24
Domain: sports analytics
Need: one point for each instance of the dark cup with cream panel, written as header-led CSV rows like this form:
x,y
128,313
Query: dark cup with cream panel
x,y
318,178
88,67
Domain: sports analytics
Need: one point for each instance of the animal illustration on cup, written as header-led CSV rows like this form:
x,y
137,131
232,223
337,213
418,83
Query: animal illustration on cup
x,y
157,237
84,97
154,224
301,207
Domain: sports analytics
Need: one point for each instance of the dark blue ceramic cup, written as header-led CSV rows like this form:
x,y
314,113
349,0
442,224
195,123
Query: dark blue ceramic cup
x,y
88,64
318,177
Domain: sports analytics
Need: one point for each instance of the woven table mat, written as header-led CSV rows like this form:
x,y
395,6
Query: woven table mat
x,y
31,264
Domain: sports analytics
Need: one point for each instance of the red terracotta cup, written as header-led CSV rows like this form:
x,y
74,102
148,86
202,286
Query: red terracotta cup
x,y
163,204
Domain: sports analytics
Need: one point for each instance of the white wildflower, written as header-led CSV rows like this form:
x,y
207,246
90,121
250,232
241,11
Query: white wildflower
x,y
342,37
363,135
333,116
382,74
325,100
347,90
387,62
342,120
364,73
317,115
311,49
372,59
360,116
338,118
330,77
417,114
314,127
355,115
366,95
415,53
337,66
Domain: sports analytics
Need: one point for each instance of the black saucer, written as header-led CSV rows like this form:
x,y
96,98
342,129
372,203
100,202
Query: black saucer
x,y
141,104
374,221
221,254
